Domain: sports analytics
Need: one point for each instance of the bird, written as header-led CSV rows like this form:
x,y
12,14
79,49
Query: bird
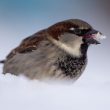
x,y
56,52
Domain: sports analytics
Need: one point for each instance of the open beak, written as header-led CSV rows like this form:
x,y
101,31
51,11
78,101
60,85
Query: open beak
x,y
93,37
92,41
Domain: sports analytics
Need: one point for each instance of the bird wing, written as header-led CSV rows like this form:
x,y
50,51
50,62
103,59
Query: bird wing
x,y
34,55
28,44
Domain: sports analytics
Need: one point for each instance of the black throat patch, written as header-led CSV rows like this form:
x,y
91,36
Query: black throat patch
x,y
72,66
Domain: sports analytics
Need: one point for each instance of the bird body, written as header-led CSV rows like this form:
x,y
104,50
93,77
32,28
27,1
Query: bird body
x,y
58,52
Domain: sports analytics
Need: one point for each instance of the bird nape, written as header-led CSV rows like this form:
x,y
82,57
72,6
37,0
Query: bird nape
x,y
57,52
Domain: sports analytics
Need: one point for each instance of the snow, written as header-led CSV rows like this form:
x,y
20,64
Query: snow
x,y
90,92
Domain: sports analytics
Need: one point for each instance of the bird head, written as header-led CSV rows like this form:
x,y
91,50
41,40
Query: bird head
x,y
72,35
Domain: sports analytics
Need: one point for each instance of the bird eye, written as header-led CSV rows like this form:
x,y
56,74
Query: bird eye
x,y
77,31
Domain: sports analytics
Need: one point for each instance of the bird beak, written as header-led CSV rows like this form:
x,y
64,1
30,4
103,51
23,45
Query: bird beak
x,y
93,37
92,41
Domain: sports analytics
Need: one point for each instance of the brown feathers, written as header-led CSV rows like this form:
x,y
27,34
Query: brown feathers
x,y
30,43
57,29
58,51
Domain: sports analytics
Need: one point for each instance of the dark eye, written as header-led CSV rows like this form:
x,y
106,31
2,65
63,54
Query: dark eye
x,y
77,31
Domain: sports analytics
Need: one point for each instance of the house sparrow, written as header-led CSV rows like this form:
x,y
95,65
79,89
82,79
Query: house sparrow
x,y
57,52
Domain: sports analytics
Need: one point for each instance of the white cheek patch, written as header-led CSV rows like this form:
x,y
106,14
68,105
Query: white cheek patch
x,y
74,50
99,36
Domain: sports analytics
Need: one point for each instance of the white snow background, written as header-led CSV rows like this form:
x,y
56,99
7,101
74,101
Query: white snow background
x,y
90,92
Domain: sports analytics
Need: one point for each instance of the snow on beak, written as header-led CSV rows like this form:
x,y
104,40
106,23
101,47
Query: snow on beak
x,y
99,36
94,37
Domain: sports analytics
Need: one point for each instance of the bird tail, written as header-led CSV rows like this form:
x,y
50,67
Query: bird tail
x,y
2,61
